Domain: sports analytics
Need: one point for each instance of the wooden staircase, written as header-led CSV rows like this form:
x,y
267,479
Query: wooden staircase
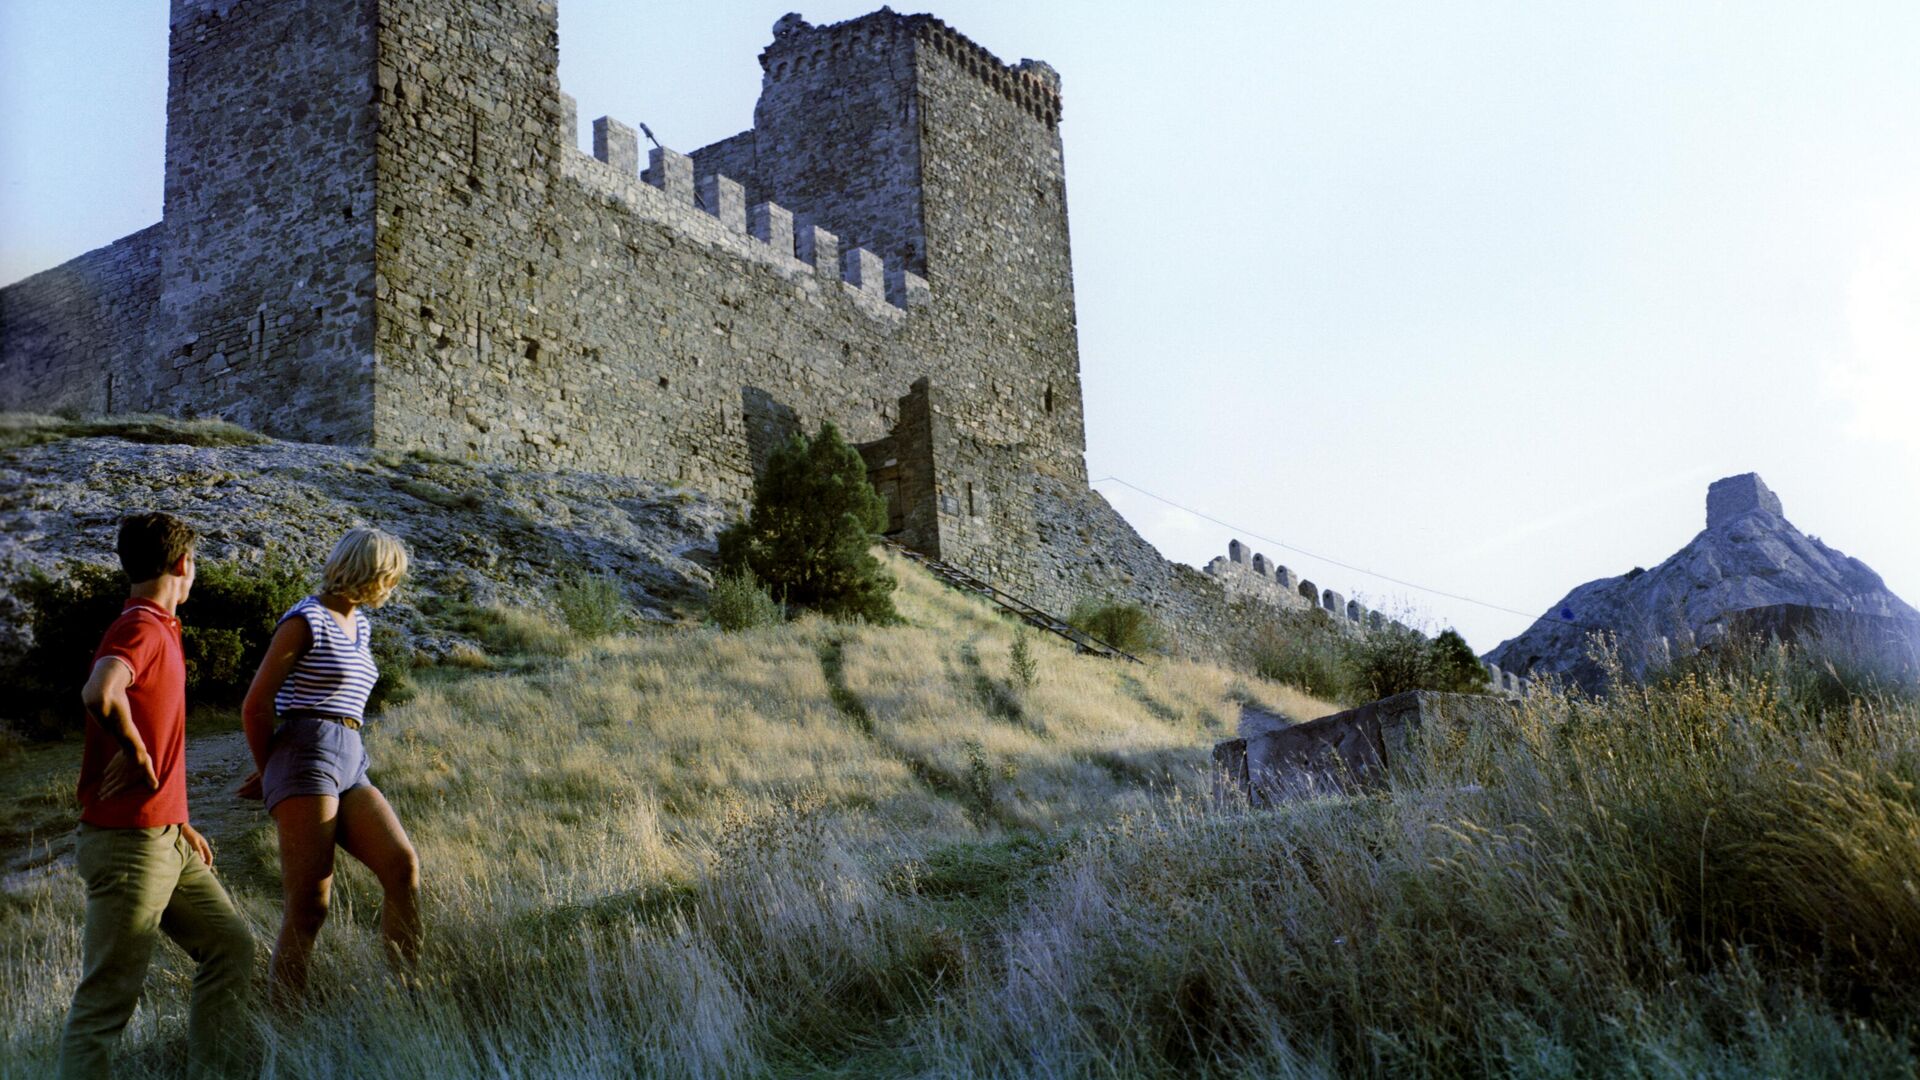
x,y
966,581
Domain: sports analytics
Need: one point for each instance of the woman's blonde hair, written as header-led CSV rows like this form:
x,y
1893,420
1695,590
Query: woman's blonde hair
x,y
365,566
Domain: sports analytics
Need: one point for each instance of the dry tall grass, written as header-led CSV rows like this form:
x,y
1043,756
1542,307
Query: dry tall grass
x,y
822,849
692,852
1706,880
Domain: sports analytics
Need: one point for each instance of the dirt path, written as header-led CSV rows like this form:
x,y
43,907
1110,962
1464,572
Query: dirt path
x,y
216,764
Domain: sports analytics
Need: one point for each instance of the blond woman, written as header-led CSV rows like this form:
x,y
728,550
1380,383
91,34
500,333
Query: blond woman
x,y
302,718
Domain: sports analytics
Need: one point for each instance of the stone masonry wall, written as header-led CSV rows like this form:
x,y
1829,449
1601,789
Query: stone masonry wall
x,y
836,133
72,336
379,231
997,235
540,305
543,306
253,299
266,305
1047,539
1245,573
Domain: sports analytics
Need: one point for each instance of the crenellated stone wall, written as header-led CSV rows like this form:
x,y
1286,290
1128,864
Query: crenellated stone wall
x,y
1247,574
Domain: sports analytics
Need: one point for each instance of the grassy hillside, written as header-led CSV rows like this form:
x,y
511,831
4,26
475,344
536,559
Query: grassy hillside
x,y
683,851
837,850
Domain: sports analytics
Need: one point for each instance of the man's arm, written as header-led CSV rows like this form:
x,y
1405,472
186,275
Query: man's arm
x,y
105,699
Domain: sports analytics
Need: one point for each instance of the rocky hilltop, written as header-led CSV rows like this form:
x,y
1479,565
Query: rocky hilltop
x,y
480,533
1748,559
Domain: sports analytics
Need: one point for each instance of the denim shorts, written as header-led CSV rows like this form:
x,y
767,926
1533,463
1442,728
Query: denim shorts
x,y
309,756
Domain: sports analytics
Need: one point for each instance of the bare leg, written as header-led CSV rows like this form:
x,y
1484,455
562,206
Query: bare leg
x,y
371,832
307,829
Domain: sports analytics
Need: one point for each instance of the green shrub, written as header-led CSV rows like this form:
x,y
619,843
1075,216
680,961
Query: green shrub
x,y
1456,669
1122,624
1395,659
1391,660
1303,651
594,606
1310,652
809,533
395,660
1020,658
225,625
977,790
219,657
66,614
228,620
738,601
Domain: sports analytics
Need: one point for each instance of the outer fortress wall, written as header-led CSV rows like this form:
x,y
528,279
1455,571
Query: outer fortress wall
x,y
387,236
1245,573
73,337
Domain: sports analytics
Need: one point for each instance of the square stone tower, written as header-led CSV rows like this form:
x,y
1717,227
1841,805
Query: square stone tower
x,y
266,303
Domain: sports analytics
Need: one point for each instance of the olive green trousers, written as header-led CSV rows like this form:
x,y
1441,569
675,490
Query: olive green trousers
x,y
142,883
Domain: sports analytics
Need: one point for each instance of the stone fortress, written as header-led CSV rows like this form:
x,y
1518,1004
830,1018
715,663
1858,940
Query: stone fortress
x,y
378,230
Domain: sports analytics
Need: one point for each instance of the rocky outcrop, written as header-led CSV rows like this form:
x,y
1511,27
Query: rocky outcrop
x,y
486,534
1748,557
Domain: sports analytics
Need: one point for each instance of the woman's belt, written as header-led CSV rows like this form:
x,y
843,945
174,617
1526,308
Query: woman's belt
x,y
351,723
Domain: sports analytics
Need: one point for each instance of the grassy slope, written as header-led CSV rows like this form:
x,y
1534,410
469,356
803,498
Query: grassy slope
x,y
830,850
689,852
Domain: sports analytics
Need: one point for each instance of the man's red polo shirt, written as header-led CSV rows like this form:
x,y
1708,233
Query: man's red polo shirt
x,y
147,640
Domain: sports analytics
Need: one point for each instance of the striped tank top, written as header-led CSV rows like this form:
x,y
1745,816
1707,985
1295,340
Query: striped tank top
x,y
337,672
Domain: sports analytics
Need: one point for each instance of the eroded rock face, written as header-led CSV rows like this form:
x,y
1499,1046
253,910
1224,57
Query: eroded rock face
x,y
1749,556
487,534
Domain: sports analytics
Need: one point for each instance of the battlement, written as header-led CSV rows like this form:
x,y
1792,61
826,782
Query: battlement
x,y
1245,573
713,209
799,47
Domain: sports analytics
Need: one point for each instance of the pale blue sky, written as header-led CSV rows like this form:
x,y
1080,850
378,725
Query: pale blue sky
x,y
1480,296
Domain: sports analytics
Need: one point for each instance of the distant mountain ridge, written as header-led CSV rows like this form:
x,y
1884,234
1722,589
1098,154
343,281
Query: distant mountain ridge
x,y
1748,557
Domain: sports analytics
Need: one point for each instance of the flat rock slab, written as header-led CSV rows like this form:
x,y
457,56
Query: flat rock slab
x,y
1341,753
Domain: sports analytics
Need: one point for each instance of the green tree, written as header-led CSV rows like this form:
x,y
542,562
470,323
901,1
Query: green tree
x,y
807,537
1455,668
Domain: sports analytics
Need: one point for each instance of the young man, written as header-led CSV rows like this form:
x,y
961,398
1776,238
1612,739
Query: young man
x,y
146,870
